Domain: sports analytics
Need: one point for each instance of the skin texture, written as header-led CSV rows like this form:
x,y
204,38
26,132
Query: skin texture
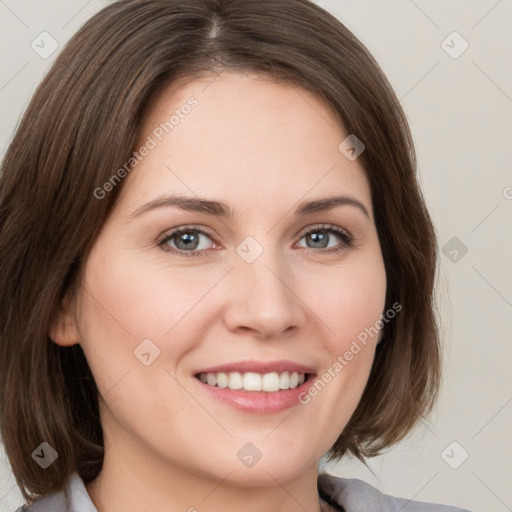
x,y
260,147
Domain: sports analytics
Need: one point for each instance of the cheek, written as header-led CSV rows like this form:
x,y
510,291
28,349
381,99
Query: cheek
x,y
351,301
125,313
352,311
129,309
126,303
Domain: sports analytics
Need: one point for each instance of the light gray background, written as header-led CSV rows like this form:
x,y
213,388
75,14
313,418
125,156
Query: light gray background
x,y
460,112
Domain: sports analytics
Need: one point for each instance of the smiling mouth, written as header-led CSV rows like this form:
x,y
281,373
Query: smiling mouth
x,y
271,382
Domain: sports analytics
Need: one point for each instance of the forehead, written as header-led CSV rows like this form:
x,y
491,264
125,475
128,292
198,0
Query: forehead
x,y
246,140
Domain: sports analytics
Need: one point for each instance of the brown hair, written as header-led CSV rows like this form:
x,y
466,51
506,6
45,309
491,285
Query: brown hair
x,y
83,123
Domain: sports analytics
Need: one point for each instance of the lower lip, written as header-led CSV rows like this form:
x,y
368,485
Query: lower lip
x,y
259,402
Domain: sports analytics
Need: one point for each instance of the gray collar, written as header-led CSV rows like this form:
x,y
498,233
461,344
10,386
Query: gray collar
x,y
337,494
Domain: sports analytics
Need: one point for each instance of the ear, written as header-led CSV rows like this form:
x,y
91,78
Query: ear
x,y
64,330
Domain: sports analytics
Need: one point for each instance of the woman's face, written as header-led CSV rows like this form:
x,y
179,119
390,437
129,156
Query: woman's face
x,y
272,288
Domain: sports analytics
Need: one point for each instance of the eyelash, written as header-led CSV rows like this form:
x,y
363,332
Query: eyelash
x,y
324,228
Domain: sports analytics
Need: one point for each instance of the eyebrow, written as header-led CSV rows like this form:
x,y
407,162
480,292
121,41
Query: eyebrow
x,y
219,209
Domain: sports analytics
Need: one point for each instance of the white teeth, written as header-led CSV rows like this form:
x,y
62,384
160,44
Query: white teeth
x,y
222,380
270,382
251,381
235,380
284,380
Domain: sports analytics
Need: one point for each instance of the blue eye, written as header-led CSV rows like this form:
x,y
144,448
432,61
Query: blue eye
x,y
321,236
187,241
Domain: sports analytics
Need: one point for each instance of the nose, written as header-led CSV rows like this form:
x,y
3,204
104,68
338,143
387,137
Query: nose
x,y
263,298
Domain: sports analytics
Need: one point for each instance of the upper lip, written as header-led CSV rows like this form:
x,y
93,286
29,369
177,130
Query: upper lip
x,y
259,367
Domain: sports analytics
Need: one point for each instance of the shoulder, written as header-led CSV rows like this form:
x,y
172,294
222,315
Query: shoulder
x,y
51,503
353,494
73,498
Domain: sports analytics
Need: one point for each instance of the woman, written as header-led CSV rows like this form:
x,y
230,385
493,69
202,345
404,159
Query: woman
x,y
217,265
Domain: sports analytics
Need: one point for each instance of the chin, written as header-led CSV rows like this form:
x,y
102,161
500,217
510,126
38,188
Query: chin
x,y
252,467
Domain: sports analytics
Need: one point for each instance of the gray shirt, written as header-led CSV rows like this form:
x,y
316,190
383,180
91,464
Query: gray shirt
x,y
337,494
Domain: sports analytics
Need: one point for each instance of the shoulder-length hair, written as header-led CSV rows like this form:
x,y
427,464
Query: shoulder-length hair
x,y
82,125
